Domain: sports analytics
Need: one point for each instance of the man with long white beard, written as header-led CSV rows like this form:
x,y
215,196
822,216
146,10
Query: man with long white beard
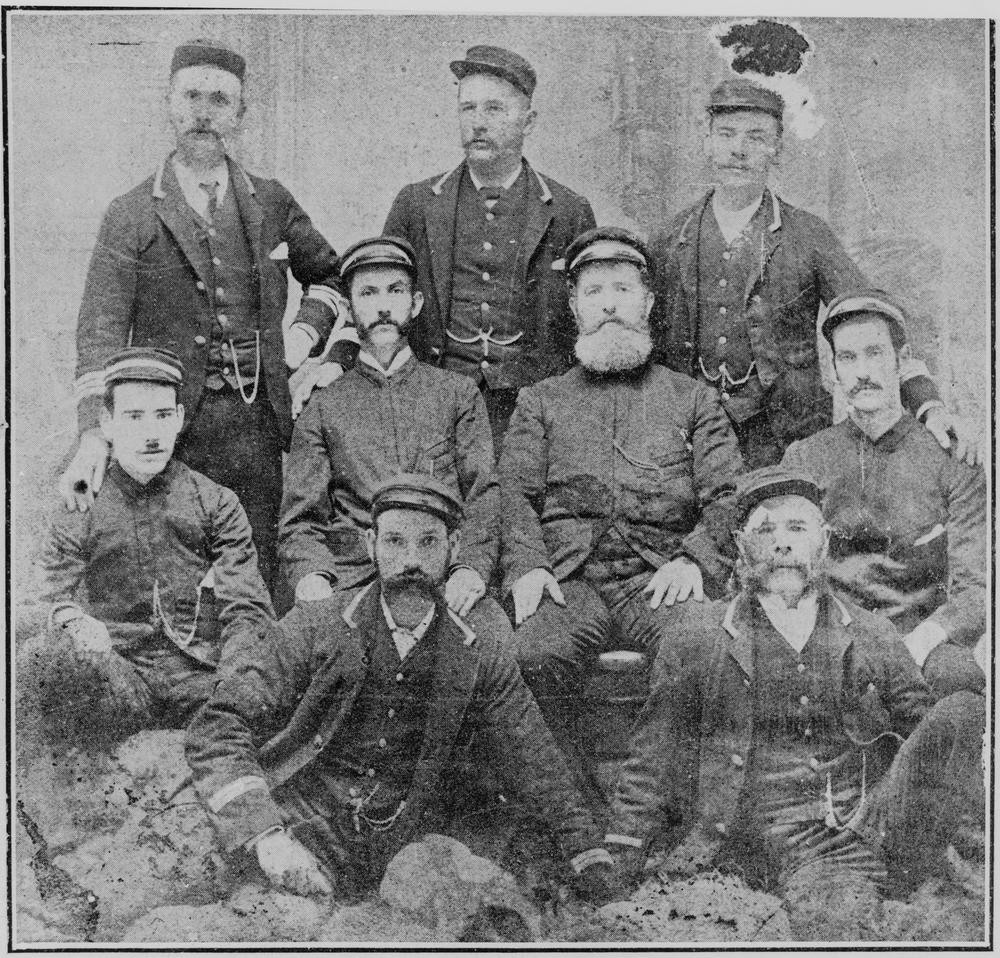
x,y
616,479
789,736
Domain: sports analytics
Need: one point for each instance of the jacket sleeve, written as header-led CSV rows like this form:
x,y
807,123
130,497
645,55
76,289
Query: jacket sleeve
x,y
717,463
399,222
106,309
244,603
480,487
668,320
963,616
523,750
563,335
262,678
523,477
658,782
306,510
65,555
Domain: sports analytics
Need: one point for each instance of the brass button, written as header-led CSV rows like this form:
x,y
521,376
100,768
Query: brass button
x,y
746,682
318,741
399,676
487,246
725,395
223,319
216,261
801,667
371,773
199,340
814,762
484,307
723,310
353,792
804,700
211,231
200,285
227,370
737,760
808,733
871,686
382,743
490,217
756,298
723,340
485,364
723,284
486,277
219,292
720,827
727,255
392,713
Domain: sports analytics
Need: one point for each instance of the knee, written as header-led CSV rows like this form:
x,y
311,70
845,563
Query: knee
x,y
951,668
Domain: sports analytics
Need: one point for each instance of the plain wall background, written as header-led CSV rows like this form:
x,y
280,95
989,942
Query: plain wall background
x,y
344,110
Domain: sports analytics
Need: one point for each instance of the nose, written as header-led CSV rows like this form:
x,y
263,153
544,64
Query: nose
x,y
737,147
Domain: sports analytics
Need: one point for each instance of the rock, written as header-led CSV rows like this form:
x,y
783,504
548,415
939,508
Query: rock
x,y
439,883
940,910
373,922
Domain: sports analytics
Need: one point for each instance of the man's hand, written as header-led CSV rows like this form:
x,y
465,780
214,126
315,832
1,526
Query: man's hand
x,y
313,587
289,864
464,589
528,591
299,341
88,635
84,476
599,884
923,640
942,425
675,581
312,374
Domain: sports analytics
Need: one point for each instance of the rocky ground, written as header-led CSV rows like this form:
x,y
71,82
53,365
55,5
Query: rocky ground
x,y
104,852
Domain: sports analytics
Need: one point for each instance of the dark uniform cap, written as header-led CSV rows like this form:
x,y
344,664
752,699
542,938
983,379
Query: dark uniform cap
x,y
753,488
500,63
416,491
211,53
607,244
864,301
379,251
740,94
144,364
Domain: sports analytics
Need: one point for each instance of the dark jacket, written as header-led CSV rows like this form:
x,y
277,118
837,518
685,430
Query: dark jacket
x,y
143,287
908,521
424,214
691,746
169,533
650,452
802,264
365,428
283,697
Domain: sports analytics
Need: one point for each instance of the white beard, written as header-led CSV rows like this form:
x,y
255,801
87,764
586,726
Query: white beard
x,y
614,348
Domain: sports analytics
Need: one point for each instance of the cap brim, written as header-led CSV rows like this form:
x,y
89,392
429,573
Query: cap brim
x,y
462,69
785,487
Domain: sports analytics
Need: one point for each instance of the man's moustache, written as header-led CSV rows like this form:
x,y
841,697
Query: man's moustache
x,y
415,581
862,386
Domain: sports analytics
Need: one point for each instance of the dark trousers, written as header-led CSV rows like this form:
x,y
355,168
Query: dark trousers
x,y
239,446
500,405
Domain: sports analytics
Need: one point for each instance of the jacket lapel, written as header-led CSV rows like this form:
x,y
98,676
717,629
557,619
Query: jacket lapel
x,y
439,218
539,218
176,215
770,240
687,259
248,205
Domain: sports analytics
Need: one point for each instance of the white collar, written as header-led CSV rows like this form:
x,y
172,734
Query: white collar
x,y
190,181
398,361
795,625
406,639
506,185
733,222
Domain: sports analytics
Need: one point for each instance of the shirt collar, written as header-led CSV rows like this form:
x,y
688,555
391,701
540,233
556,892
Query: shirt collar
x,y
734,221
189,182
398,361
892,437
794,625
131,487
506,185
405,639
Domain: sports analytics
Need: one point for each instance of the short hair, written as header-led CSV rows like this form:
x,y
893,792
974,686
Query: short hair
x,y
411,280
896,334
645,275
712,114
109,392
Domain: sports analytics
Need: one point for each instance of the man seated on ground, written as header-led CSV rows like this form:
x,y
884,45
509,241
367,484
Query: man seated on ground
x,y
169,570
616,479
790,738
324,746
389,414
908,521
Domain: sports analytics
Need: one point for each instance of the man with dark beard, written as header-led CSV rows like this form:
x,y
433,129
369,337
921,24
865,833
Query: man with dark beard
x,y
389,414
324,746
616,479
789,736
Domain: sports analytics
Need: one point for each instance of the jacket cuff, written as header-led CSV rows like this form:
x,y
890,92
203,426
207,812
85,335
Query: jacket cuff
x,y
88,411
917,391
592,856
246,817
344,351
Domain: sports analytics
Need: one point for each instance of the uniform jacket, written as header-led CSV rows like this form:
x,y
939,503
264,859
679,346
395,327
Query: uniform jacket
x,y
650,452
802,264
169,533
364,428
691,747
143,287
284,696
424,214
908,520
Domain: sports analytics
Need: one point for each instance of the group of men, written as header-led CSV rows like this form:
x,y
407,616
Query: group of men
x,y
524,440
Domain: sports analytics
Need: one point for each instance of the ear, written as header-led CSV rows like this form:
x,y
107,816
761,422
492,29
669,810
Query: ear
x,y
180,416
106,423
418,304
529,123
650,299
572,302
903,355
370,543
454,546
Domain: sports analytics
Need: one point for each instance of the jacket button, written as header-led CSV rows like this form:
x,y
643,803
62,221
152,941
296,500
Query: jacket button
x,y
746,683
490,217
801,667
216,261
371,773
871,686
318,741
737,760
200,285
487,246
484,307
725,395
808,733
722,284
485,364
804,700
399,676
392,713
199,340
382,743
353,792
723,310
723,340
720,827
727,255
486,277
756,298
814,762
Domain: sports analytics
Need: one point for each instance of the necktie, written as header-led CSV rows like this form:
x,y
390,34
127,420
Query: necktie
x,y
212,190
490,194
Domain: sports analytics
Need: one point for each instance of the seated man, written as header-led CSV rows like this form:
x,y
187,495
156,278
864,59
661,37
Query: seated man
x,y
169,569
324,746
767,744
616,478
389,414
908,520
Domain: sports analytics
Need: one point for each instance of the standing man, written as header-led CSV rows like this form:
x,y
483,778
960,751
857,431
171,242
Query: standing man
x,y
789,737
194,260
908,522
486,236
389,414
741,276
324,747
616,479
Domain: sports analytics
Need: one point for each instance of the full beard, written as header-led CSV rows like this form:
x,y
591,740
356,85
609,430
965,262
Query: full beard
x,y
788,581
409,594
614,348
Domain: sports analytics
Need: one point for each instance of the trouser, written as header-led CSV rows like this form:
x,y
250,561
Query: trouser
x,y
500,405
557,646
952,668
758,444
94,700
239,446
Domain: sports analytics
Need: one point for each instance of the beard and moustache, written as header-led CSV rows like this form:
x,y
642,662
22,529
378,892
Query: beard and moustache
x,y
409,593
779,575
614,348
